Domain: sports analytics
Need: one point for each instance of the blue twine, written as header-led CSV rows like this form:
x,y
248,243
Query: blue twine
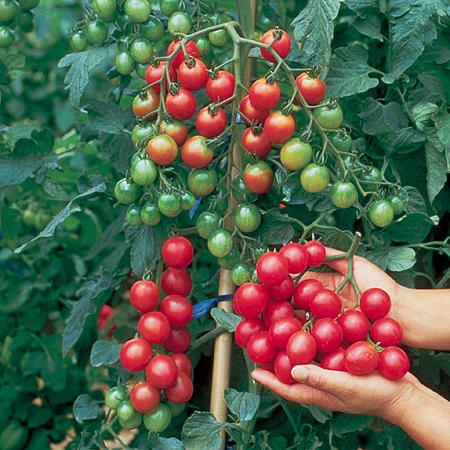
x,y
193,210
201,308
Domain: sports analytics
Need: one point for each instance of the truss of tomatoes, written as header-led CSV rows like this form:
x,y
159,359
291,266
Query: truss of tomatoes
x,y
286,324
158,355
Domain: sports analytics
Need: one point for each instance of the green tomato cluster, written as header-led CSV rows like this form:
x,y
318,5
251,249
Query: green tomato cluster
x,y
34,216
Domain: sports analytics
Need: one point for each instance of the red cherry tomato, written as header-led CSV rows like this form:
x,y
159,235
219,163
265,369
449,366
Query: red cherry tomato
x,y
361,358
312,89
282,367
196,153
250,113
192,74
256,143
279,127
250,299
106,312
325,303
178,131
283,291
355,325
387,332
182,390
245,329
177,309
258,177
182,362
305,292
161,371
260,349
176,281
264,95
295,256
144,295
282,329
179,340
281,46
145,104
301,348
154,327
144,397
277,310
333,360
210,123
182,104
177,252
375,303
394,363
220,86
155,72
162,149
174,46
327,334
316,253
135,354
271,269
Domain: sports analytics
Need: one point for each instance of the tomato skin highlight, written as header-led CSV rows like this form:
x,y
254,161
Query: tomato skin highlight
x,y
312,89
177,252
258,177
301,348
211,124
282,367
355,325
144,397
144,295
387,332
221,87
250,113
192,77
394,363
256,143
176,281
281,46
279,127
245,329
181,105
162,150
375,303
135,354
361,358
260,349
264,95
305,291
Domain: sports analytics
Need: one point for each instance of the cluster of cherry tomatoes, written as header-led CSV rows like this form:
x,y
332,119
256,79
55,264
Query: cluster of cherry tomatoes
x,y
160,349
285,324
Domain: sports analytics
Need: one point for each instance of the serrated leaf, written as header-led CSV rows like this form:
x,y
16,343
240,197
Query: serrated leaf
x,y
104,353
361,7
436,171
142,252
86,408
379,118
108,118
242,404
415,203
412,228
405,140
201,431
369,26
226,319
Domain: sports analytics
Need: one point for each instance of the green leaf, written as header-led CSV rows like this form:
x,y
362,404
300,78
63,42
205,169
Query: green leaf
x,y
349,423
349,72
161,443
314,29
201,431
12,65
436,171
422,113
226,319
142,252
275,234
394,259
242,404
108,118
86,408
361,7
415,203
320,414
405,140
412,228
369,26
105,353
379,118
38,416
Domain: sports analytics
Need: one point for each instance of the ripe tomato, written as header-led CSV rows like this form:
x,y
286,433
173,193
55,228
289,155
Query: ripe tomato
x,y
282,329
283,291
329,116
394,363
355,325
220,86
312,89
375,303
276,311
192,74
250,114
361,358
333,360
144,397
176,281
387,332
250,300
260,349
325,303
178,131
155,72
295,154
245,329
135,354
144,295
202,182
305,291
316,252
169,204
104,317
296,257
279,127
220,243
282,367
247,217
211,121
314,178
177,252
258,177
264,95
126,192
159,419
301,348
154,327
161,371
327,334
271,269
182,104
206,223
343,194
182,390
381,213
182,362
179,340
256,142
162,149
175,46
177,309
281,46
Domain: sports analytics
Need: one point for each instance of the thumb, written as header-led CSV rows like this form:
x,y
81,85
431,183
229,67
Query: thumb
x,y
321,379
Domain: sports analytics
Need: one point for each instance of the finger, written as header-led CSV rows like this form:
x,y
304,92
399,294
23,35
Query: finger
x,y
330,381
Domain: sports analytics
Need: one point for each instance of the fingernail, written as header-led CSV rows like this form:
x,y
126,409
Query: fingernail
x,y
300,373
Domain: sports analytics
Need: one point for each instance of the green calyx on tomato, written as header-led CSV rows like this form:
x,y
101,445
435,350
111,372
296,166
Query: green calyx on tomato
x,y
158,419
314,178
247,217
206,223
381,213
150,214
295,154
343,194
143,172
220,243
202,182
329,116
169,204
127,192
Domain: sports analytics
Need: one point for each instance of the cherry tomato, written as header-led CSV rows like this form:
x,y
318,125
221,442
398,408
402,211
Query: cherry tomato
x,y
220,86
264,95
144,397
176,281
260,349
211,121
141,50
240,191
155,72
178,131
144,295
153,30
279,127
182,104
126,192
276,311
141,133
387,332
394,363
355,325
228,261
295,154
220,243
361,358
124,63
162,149
202,182
115,396
169,203
182,362
250,114
316,252
78,40
145,103
159,419
256,142
137,10
312,89
177,309
381,213
301,348
370,179
182,390
247,217
179,22
283,291
327,334
240,274
150,214
296,257
168,7
250,300
282,329
281,46
204,47
245,329
272,269
143,171
175,46
375,303
207,222
333,360
218,38
187,200
314,178
341,140
105,316
154,327
325,303
177,252
329,116
192,74
258,177
133,215
343,194
126,412
96,32
398,203
282,367
179,341
135,354
161,371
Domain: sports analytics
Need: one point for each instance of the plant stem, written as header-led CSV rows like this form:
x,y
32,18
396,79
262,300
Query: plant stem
x,y
208,337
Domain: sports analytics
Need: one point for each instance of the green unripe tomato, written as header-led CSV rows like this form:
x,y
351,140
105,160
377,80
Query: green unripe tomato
x,y
143,172
78,41
124,63
341,140
381,213
343,194
126,412
314,178
398,204
141,133
370,178
8,10
138,11
105,9
25,21
230,260
26,5
6,37
220,243
134,422
240,274
218,38
41,220
126,192
153,30
159,419
329,116
29,217
207,222
141,70
176,408
204,46
169,204
247,217
295,154
71,224
141,50
150,214
179,22
115,396
96,32
187,200
241,192
168,7
13,436
133,215
202,182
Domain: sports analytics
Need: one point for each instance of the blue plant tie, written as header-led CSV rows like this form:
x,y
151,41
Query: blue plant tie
x,y
193,210
201,308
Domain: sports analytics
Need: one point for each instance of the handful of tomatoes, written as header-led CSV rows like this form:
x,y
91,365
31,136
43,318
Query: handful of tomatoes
x,y
287,323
